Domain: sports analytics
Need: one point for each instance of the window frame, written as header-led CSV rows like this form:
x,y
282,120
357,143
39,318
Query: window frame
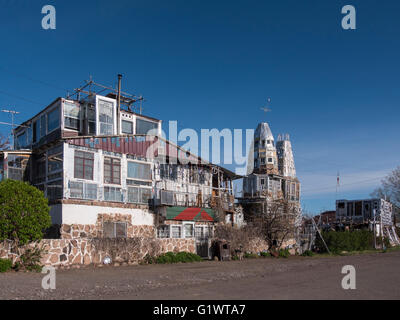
x,y
56,108
114,112
69,116
84,160
112,160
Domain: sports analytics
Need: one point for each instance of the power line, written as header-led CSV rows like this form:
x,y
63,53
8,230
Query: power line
x,y
19,74
345,184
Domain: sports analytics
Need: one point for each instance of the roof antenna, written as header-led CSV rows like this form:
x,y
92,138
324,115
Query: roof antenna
x,y
266,107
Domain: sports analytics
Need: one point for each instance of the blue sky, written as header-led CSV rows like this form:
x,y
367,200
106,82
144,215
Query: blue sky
x,y
212,64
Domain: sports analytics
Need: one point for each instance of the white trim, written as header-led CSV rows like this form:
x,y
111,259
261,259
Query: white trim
x,y
98,97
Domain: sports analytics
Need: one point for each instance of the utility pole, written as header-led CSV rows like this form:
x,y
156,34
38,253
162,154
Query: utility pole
x,y
374,226
13,113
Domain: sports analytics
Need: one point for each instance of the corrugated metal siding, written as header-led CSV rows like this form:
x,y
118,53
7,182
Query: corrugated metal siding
x,y
128,145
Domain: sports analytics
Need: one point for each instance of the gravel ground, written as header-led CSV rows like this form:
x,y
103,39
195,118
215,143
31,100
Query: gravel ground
x,y
377,277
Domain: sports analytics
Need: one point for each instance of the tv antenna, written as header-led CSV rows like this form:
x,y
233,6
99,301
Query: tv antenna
x,y
267,108
13,113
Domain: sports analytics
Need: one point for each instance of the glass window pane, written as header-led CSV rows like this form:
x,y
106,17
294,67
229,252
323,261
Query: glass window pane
x,y
143,126
127,127
53,119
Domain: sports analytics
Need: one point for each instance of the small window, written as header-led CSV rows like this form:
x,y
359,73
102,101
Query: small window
x,y
83,165
176,232
36,131
189,230
106,117
113,194
341,205
114,229
138,170
127,127
71,115
262,160
53,119
262,182
270,160
143,126
163,232
43,126
112,170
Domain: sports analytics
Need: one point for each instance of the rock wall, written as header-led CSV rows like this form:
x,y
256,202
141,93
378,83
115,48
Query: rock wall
x,y
67,252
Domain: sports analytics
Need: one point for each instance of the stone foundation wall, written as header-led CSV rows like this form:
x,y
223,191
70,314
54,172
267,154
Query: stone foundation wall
x,y
67,252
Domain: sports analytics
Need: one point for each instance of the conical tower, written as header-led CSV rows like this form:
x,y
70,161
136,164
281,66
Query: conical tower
x,y
265,157
285,156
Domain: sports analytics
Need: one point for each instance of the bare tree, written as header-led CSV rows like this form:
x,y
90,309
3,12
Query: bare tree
x,y
390,188
277,222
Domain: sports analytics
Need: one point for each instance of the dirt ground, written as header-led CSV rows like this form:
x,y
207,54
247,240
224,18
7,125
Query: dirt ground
x,y
377,277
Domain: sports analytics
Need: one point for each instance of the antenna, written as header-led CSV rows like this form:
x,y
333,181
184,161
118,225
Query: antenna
x,y
337,184
13,113
267,105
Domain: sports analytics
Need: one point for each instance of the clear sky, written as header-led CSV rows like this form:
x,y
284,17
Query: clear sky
x,y
212,64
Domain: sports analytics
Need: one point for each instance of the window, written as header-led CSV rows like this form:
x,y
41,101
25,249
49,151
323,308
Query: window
x,y
71,115
91,118
138,170
54,159
112,170
21,140
176,231
189,230
36,131
139,195
270,160
83,165
143,126
262,160
81,190
113,194
114,229
53,119
43,126
262,181
127,127
106,117
55,190
341,205
163,232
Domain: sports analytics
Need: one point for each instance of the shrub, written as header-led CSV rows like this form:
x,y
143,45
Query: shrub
x,y
24,212
5,265
284,253
265,254
171,257
30,260
338,241
250,255
307,253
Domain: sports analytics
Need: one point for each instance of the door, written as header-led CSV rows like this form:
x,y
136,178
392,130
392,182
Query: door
x,y
202,241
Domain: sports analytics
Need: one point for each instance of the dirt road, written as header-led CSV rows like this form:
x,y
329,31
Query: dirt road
x,y
377,277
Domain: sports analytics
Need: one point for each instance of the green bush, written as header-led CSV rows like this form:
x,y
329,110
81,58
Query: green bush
x,y
30,260
284,253
5,265
307,253
338,241
171,257
250,255
265,254
24,212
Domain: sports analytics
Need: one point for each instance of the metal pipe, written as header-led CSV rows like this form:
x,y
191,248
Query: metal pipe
x,y
119,101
